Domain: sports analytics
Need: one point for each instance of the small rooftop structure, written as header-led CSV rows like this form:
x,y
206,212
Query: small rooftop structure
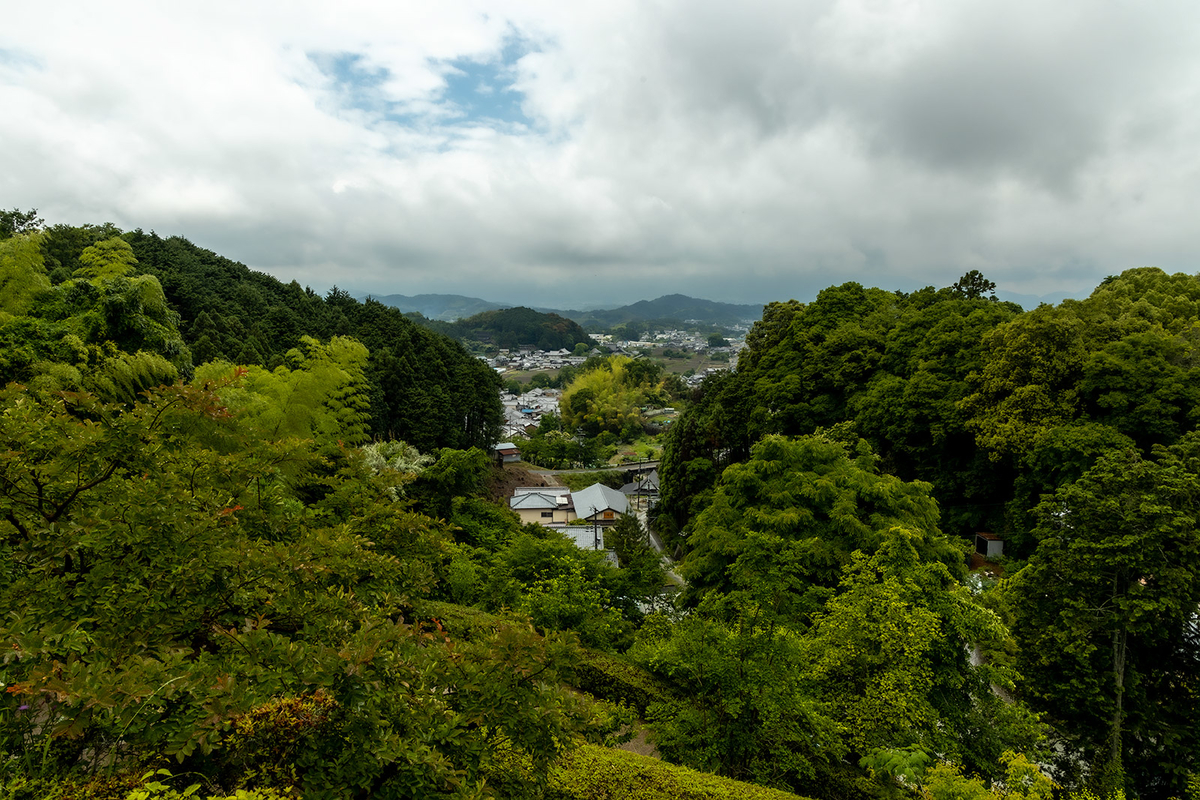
x,y
506,453
989,545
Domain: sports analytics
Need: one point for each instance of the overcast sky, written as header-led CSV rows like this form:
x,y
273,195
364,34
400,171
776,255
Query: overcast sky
x,y
572,154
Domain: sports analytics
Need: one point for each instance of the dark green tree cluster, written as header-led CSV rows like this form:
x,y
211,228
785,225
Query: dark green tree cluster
x,y
511,328
997,410
829,624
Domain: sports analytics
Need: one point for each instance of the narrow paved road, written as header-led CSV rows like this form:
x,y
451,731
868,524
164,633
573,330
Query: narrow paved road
x,y
657,544
636,466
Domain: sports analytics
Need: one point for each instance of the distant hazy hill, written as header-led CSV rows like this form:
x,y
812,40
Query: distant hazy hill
x,y
671,306
450,307
445,307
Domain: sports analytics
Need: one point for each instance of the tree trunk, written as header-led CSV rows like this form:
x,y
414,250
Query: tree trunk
x,y
1115,777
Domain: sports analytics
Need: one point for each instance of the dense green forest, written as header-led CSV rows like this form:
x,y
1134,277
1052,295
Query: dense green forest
x,y
183,304
1070,430
248,544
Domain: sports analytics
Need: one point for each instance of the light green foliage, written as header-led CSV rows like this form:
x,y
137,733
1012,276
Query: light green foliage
x,y
618,680
628,538
116,338
888,655
594,773
871,651
562,598
22,274
1022,781
481,523
122,376
1125,357
610,398
399,460
809,560
456,474
788,519
557,450
640,563
321,394
738,706
1028,385
906,764
110,258
560,587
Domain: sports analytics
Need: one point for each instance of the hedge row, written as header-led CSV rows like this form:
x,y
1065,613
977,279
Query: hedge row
x,y
597,773
610,678
125,786
601,675
464,622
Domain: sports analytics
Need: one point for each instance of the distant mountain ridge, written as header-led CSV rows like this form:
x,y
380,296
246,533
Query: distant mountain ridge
x,y
451,307
672,306
444,307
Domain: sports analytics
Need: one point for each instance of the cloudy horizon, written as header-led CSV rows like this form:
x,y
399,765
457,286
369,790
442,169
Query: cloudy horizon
x,y
571,155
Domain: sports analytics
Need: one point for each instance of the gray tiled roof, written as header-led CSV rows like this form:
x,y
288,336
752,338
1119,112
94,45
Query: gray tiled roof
x,y
597,498
533,500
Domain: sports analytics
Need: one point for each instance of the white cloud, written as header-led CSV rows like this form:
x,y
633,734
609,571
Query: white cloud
x,y
740,152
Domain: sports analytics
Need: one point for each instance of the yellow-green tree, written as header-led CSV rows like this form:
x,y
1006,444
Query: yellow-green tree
x,y
321,394
611,397
22,274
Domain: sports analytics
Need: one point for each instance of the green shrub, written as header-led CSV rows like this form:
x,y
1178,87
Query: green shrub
x,y
591,772
464,622
266,740
596,773
616,680
127,786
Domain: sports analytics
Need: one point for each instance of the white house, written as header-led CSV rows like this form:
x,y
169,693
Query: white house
x,y
555,506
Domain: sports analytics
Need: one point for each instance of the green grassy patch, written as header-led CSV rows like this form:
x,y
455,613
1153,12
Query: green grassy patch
x,y
575,481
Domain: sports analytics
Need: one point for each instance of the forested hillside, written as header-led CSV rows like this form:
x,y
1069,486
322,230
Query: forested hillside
x,y
511,328
211,579
279,572
425,388
439,307
676,308
1069,430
